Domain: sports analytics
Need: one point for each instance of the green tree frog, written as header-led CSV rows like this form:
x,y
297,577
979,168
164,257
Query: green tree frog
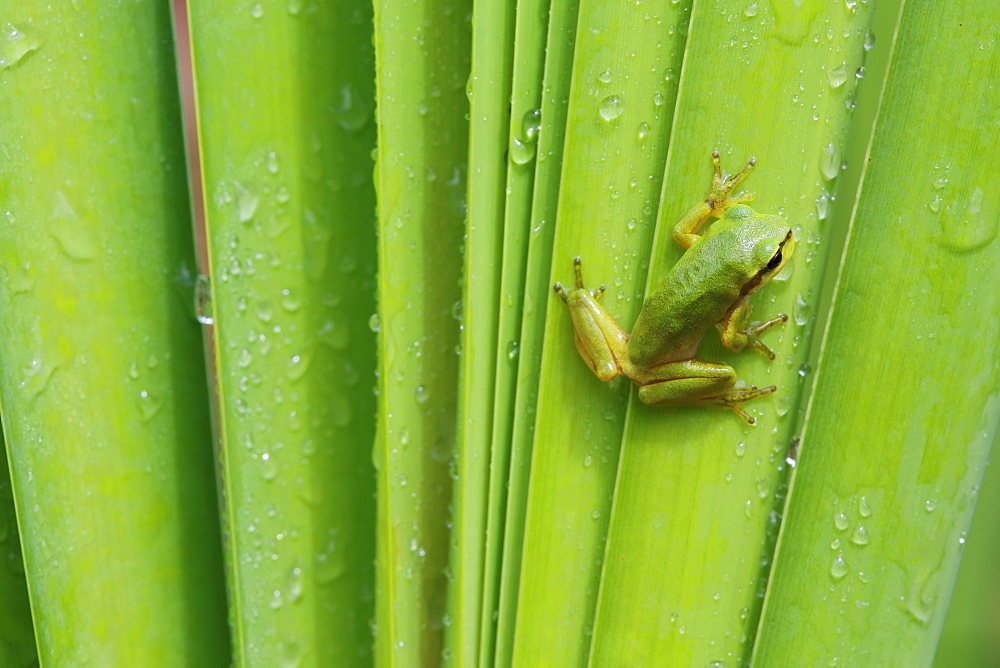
x,y
710,285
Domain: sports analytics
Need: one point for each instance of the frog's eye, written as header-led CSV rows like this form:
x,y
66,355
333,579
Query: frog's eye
x,y
775,261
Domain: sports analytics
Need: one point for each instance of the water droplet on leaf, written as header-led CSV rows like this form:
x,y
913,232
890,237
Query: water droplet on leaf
x,y
611,107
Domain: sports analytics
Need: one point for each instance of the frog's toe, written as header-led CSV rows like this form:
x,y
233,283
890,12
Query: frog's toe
x,y
561,291
736,397
733,179
578,271
749,419
740,198
720,195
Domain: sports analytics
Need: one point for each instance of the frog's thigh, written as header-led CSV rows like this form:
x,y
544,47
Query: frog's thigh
x,y
597,336
686,382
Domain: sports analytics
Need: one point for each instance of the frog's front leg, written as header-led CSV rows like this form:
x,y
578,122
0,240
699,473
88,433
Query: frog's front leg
x,y
697,382
737,334
600,340
716,201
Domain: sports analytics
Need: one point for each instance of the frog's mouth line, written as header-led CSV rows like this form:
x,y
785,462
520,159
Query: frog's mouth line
x,y
784,252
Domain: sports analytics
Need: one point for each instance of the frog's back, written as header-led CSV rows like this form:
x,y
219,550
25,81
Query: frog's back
x,y
691,297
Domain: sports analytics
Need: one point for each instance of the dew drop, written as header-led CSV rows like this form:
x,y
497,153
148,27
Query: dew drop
x,y
840,521
257,11
802,311
829,161
290,300
14,45
869,42
421,394
375,323
611,107
782,404
531,123
246,203
860,536
822,206
148,405
264,309
643,131
294,586
512,350
521,153
837,76
290,652
838,568
203,300
268,469
297,366
864,507
750,10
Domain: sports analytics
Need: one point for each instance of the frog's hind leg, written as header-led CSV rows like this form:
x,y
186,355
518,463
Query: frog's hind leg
x,y
601,341
695,382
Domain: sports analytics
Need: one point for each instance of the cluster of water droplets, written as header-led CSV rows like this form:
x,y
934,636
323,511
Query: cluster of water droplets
x,y
850,538
959,211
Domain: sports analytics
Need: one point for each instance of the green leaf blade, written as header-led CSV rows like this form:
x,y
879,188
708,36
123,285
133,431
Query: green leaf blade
x,y
694,521
615,144
290,225
897,436
420,178
102,378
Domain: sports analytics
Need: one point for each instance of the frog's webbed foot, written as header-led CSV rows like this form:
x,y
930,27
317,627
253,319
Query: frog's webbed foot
x,y
719,196
756,344
734,398
737,334
578,273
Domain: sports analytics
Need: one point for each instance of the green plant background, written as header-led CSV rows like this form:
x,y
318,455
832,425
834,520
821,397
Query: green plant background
x,y
387,450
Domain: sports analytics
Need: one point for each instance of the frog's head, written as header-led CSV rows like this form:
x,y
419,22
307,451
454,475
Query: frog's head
x,y
770,242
